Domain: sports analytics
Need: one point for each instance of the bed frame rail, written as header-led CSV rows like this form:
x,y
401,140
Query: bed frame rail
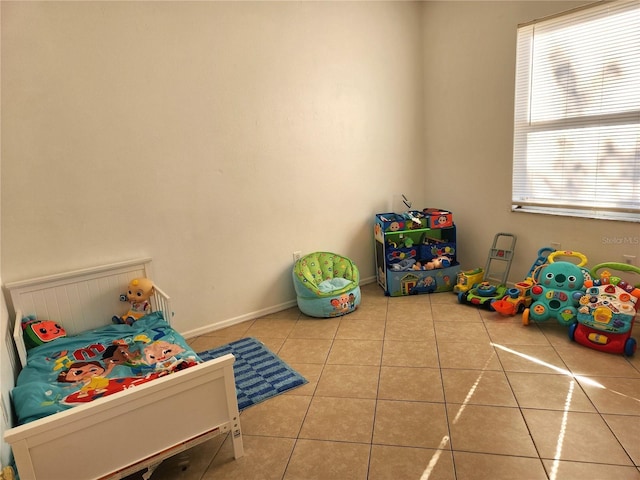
x,y
159,418
81,300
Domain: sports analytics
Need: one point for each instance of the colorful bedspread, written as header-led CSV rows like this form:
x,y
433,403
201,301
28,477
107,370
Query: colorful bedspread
x,y
74,370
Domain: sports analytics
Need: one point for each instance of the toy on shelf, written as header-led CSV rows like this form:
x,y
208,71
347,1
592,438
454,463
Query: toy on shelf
x,y
558,291
403,265
607,311
438,262
415,219
138,295
519,297
493,286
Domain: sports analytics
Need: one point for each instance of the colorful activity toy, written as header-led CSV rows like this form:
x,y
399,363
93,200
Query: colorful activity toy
x,y
607,311
559,289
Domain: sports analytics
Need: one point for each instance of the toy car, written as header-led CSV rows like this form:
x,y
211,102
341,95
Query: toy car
x,y
483,294
468,279
516,300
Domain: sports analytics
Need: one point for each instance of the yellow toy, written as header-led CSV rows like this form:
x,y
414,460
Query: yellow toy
x,y
138,294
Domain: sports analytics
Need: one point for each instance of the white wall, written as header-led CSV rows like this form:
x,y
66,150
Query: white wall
x,y
7,380
7,356
219,137
216,137
469,61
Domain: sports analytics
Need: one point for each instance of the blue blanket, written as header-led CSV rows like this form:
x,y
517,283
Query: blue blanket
x,y
74,370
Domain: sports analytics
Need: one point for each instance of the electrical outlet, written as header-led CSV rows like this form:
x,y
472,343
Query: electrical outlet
x,y
555,245
296,255
629,259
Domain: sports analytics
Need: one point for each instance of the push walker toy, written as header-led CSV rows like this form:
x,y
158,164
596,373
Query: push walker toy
x,y
607,311
519,297
494,284
558,291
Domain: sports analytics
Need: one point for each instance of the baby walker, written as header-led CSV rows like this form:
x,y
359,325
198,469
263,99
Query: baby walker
x,y
519,298
558,289
494,284
607,311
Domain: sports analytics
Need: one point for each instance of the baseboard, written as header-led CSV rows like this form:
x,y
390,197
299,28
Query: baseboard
x,y
253,315
242,318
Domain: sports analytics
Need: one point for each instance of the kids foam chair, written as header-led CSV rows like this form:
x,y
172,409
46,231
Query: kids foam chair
x,y
326,284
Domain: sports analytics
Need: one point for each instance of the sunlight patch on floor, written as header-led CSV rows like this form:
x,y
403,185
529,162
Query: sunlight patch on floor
x,y
563,430
443,443
563,427
563,371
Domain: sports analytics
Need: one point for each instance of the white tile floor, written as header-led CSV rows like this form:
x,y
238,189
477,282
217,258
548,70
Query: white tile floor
x,y
424,388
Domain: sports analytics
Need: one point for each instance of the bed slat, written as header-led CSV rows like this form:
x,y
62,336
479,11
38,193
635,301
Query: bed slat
x,y
82,300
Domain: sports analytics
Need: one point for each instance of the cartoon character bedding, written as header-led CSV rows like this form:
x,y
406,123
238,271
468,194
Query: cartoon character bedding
x,y
71,370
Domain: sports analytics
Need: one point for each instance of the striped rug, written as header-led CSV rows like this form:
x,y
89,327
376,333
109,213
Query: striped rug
x,y
260,373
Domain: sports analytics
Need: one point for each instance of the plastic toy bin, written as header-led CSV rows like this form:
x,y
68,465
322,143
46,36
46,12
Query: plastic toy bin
x,y
433,250
438,218
412,282
393,222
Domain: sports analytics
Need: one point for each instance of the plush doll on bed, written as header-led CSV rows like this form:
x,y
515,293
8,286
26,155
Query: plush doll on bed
x,y
138,295
38,332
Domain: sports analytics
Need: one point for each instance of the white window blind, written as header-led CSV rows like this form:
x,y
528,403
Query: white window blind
x,y
577,113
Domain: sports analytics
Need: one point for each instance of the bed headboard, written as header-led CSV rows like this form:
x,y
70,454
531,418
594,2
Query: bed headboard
x,y
80,300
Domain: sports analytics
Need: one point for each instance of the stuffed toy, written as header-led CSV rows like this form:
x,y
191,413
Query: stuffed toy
x,y
38,332
403,265
438,262
138,295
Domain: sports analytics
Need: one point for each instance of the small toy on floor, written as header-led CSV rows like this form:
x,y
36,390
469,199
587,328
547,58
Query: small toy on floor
x,y
138,294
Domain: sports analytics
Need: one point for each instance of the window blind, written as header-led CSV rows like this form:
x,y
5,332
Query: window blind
x,y
577,113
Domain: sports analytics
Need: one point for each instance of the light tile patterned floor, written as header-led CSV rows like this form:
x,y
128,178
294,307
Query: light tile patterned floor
x,y
422,387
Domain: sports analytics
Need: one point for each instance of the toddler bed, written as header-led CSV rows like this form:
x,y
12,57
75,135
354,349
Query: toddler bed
x,y
145,396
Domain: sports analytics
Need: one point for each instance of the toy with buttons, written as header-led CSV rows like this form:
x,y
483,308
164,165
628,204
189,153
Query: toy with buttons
x,y
558,291
607,311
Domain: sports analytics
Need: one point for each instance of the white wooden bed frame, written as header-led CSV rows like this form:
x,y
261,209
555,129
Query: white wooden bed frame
x,y
126,432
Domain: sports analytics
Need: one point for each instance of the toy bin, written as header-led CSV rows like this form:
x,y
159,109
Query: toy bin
x,y
403,246
433,250
394,222
412,282
438,218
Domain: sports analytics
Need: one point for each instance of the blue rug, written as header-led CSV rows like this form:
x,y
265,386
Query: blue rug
x,y
260,373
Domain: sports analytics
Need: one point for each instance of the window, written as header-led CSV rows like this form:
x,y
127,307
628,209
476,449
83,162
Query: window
x,y
577,113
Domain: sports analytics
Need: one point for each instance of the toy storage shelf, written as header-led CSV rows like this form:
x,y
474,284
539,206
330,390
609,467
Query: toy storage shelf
x,y
404,250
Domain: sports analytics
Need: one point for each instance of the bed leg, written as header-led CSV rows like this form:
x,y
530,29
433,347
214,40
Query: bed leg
x,y
236,439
